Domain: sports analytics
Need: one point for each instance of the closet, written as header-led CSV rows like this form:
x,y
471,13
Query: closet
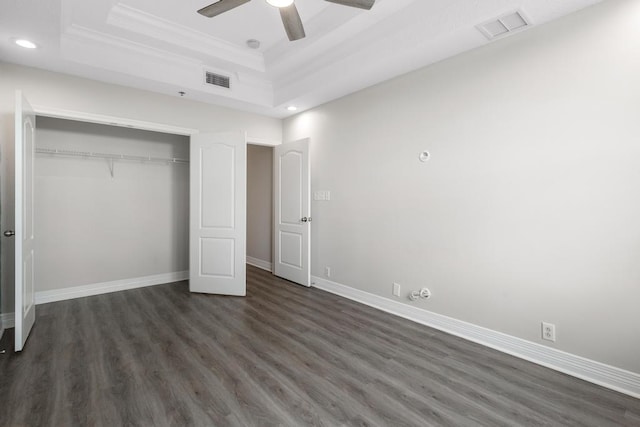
x,y
111,205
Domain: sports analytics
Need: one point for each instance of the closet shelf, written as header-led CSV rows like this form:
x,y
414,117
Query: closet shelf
x,y
109,156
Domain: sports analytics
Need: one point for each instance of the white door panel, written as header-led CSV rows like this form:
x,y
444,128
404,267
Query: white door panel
x,y
25,308
292,201
291,197
217,232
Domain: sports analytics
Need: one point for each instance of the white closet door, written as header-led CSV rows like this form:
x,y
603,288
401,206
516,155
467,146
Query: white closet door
x,y
217,235
25,311
292,201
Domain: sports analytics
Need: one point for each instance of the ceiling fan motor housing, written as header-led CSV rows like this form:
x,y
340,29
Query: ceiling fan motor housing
x,y
288,12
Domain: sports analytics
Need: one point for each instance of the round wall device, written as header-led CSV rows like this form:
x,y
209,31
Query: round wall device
x,y
253,43
424,156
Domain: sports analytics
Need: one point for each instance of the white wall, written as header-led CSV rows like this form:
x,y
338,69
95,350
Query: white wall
x,y
94,228
259,202
55,90
528,210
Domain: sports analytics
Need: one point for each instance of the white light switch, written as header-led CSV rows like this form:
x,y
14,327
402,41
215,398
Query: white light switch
x,y
322,195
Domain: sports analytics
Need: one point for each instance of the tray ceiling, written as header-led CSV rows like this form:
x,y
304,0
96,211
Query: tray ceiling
x,y
165,46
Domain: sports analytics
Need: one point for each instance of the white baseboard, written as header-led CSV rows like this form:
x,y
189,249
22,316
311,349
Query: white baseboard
x,y
8,320
265,265
617,379
44,297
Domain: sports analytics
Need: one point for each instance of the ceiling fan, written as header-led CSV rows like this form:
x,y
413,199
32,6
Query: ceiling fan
x,y
288,12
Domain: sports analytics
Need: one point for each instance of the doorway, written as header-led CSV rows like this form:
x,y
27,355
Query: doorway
x,y
279,210
260,206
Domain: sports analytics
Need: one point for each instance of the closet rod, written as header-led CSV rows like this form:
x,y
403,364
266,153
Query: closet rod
x,y
109,156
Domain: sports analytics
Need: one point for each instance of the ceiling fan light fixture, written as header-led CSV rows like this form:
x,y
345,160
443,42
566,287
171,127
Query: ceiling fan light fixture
x,y
280,3
287,9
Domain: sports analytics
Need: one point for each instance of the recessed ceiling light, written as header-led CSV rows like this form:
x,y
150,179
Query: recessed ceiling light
x,y
280,3
292,108
26,44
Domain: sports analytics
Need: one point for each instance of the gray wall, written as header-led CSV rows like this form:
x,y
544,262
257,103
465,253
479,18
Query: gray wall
x,y
93,228
53,90
259,202
528,210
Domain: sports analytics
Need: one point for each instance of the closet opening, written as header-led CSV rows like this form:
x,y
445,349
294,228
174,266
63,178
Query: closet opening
x,y
111,208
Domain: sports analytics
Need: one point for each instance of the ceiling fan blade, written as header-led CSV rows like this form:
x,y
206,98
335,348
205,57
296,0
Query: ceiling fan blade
x,y
292,22
361,4
221,6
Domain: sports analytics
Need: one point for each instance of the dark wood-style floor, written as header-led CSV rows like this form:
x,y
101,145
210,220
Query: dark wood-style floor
x,y
284,355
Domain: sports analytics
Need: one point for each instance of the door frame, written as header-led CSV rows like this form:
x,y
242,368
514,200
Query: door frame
x,y
59,113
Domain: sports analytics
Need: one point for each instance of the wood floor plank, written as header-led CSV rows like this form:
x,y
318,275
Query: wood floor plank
x,y
409,364
255,403
284,355
242,343
341,359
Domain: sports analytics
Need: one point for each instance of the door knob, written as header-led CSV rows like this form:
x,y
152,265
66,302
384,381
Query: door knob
x,y
305,219
9,233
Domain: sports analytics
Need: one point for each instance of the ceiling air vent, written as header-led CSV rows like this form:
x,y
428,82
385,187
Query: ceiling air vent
x,y
504,25
217,80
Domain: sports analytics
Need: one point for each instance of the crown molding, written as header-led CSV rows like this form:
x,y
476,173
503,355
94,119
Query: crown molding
x,y
137,21
83,34
107,52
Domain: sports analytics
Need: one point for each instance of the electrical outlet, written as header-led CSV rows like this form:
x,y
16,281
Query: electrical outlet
x,y
548,331
327,271
396,289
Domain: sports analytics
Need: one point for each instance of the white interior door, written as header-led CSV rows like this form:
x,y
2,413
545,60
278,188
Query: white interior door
x,y
25,311
292,201
217,231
